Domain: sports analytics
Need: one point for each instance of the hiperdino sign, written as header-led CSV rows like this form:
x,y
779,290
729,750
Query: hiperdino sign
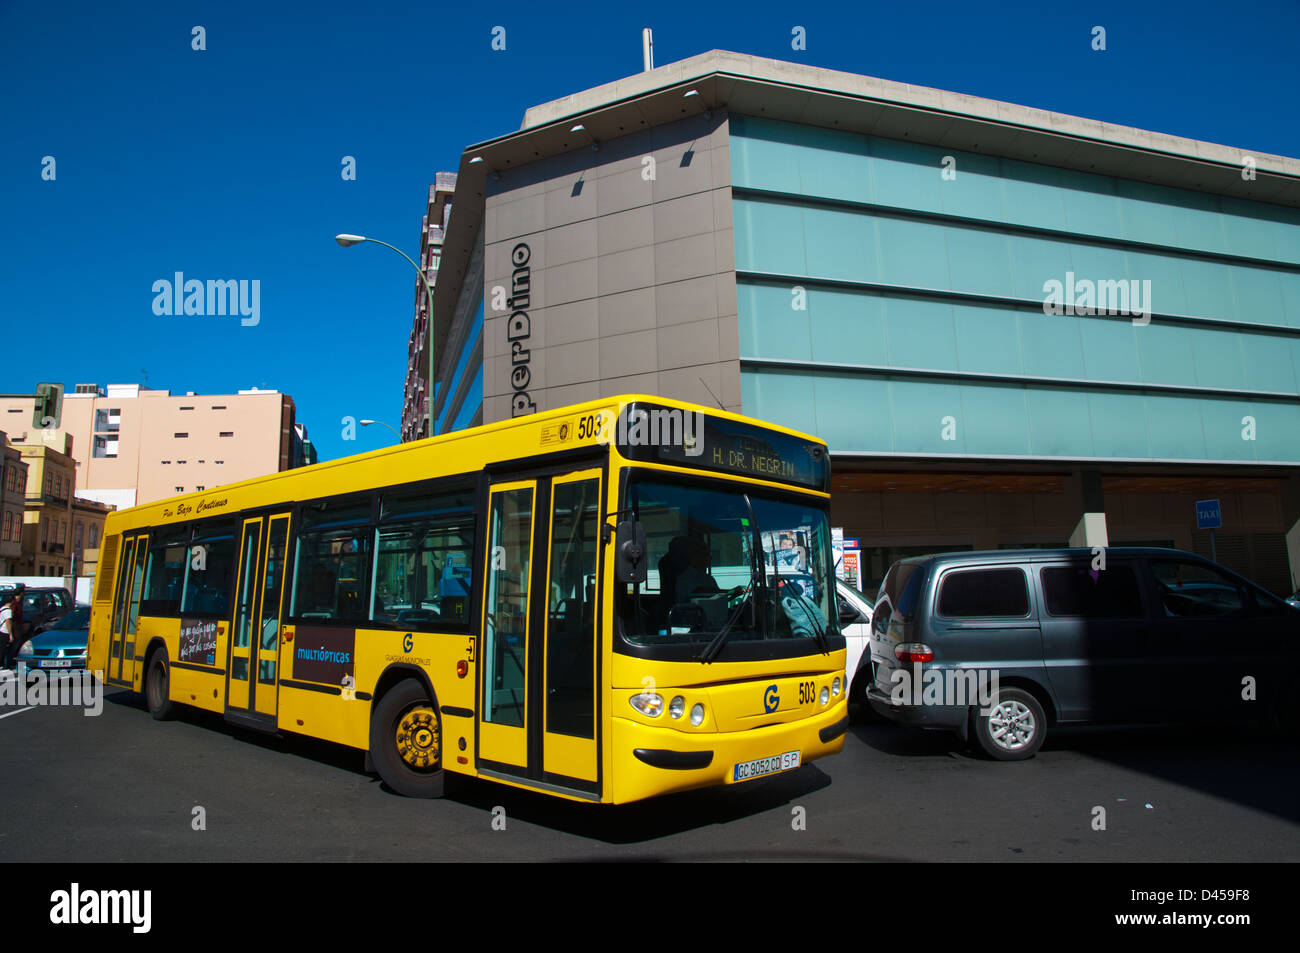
x,y
518,330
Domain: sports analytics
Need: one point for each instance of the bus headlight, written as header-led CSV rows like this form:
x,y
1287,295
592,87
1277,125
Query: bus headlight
x,y
825,696
648,704
697,715
835,687
677,707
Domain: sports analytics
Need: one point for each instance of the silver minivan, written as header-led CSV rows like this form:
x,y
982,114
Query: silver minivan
x,y
1000,646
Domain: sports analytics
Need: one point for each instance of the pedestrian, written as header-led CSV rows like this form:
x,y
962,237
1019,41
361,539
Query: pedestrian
x,y
12,634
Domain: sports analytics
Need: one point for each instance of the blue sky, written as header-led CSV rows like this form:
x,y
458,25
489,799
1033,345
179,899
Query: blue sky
x,y
225,163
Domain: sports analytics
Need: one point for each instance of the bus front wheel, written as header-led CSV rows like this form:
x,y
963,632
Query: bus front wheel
x,y
406,741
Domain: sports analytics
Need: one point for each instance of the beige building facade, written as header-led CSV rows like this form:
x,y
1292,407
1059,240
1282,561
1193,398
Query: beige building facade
x,y
133,445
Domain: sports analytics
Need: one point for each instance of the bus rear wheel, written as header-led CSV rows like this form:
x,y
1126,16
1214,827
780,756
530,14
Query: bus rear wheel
x,y
157,687
406,741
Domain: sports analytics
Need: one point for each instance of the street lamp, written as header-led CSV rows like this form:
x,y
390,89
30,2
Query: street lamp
x,y
367,423
347,240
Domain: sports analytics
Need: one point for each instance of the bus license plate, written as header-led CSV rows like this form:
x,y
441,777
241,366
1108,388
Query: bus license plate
x,y
55,663
762,766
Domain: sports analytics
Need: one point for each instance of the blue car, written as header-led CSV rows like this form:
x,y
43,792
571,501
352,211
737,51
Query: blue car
x,y
62,646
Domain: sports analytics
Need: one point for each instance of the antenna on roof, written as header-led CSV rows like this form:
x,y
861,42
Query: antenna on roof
x,y
711,394
648,49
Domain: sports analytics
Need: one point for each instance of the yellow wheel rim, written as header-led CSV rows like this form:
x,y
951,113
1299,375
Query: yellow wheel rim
x,y
417,738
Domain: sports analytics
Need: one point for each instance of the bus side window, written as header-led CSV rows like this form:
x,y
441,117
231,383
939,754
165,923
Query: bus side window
x,y
423,552
333,561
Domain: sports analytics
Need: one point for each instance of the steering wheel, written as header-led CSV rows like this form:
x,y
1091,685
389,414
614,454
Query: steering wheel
x,y
734,595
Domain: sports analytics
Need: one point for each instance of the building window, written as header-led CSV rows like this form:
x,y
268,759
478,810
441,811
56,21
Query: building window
x,y
180,435
219,462
180,489
198,488
94,535
9,521
218,406
105,446
227,433
180,461
79,539
187,408
166,463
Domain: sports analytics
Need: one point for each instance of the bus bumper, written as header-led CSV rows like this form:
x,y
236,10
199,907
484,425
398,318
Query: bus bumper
x,y
650,760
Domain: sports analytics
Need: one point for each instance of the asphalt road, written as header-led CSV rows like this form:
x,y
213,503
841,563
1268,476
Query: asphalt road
x,y
122,787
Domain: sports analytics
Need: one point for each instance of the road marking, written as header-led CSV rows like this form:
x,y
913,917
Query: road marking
x,y
18,712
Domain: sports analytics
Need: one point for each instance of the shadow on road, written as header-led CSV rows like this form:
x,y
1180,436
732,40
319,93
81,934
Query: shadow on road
x,y
643,820
1234,762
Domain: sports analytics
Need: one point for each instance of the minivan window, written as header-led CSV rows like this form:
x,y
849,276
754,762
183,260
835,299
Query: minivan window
x,y
1091,594
902,587
983,593
1190,589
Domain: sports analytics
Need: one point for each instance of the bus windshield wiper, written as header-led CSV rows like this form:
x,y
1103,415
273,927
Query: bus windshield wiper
x,y
710,651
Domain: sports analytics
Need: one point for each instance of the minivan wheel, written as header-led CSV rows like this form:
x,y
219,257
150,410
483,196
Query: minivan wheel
x,y
1014,727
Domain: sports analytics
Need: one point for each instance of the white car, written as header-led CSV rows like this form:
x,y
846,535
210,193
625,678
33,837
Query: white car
x,y
855,622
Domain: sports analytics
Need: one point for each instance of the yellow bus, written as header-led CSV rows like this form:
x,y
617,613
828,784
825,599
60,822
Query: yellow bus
x,y
606,602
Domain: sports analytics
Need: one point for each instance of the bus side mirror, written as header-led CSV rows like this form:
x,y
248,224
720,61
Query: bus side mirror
x,y
848,613
629,552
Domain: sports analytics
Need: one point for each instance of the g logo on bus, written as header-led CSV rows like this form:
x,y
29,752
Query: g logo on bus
x,y
408,643
771,699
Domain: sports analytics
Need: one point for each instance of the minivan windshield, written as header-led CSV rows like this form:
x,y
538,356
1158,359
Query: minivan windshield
x,y
723,561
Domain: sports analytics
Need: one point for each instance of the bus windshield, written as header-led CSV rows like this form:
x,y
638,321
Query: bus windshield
x,y
721,560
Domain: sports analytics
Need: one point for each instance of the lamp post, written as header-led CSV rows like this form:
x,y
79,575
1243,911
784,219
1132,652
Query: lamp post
x,y
367,423
347,240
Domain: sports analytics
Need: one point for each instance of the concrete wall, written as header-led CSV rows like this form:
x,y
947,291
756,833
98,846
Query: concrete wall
x,y
631,278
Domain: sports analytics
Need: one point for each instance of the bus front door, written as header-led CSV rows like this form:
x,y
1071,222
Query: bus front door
x,y
537,691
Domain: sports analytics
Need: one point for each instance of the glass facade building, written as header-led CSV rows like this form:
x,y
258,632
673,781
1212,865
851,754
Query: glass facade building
x,y
1013,327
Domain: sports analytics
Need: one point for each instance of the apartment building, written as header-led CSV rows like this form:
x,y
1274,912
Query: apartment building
x,y
48,520
13,495
134,445
415,406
